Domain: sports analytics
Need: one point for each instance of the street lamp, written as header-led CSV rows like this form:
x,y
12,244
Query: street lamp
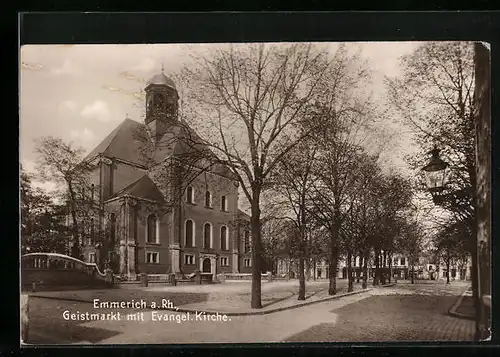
x,y
435,173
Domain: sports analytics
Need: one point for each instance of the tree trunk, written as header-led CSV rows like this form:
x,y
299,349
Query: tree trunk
x,y
390,268
307,268
384,265
314,269
447,267
377,263
307,243
412,273
75,250
302,279
332,271
358,268
256,302
365,271
350,279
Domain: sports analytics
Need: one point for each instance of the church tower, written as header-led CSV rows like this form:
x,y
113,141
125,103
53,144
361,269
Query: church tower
x,y
162,104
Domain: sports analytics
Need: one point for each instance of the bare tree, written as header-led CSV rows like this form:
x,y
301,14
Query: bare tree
x,y
292,180
435,96
245,102
60,162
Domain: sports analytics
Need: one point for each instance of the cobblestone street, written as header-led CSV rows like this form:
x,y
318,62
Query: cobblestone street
x,y
403,312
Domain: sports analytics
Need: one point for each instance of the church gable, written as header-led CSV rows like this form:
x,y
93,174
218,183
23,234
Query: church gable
x,y
143,188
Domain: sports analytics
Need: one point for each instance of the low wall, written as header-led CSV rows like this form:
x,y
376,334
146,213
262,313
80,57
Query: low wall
x,y
242,276
51,271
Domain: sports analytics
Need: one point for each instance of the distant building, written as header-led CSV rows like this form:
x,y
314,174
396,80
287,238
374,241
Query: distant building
x,y
399,268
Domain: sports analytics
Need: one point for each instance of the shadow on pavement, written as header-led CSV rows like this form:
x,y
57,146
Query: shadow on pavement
x,y
75,334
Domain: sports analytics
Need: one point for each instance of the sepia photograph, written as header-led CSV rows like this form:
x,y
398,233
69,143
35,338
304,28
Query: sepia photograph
x,y
256,192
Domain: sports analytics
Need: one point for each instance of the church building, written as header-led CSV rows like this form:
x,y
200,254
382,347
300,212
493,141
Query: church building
x,y
165,205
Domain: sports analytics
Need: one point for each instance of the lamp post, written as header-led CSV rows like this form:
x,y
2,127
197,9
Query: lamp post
x,y
435,174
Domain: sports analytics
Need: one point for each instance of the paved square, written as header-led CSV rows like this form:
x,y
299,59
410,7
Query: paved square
x,y
404,312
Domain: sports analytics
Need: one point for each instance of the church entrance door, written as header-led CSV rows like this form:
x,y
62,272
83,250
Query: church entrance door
x,y
207,266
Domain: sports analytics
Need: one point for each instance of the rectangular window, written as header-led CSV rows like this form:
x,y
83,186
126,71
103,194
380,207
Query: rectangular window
x,y
92,258
403,261
395,262
152,258
247,262
224,261
223,203
189,259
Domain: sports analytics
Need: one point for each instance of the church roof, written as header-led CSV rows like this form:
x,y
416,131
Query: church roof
x,y
130,142
124,142
161,79
143,188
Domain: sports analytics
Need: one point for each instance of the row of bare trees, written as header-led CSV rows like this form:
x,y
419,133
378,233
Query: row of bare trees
x,y
360,209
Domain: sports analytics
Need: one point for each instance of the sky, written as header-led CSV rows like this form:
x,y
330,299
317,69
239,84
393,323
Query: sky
x,y
80,93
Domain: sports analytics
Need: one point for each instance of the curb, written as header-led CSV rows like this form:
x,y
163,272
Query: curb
x,y
270,311
453,311
249,313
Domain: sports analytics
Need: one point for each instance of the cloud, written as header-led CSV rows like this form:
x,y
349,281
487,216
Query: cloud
x,y
137,95
68,105
98,110
28,165
132,77
112,89
145,65
67,68
84,136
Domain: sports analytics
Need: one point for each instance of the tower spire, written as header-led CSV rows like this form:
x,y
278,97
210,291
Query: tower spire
x,y
162,67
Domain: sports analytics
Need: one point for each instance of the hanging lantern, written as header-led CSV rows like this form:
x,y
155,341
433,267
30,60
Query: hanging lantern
x,y
435,172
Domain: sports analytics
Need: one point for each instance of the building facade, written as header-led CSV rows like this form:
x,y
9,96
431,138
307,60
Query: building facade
x,y
163,206
399,269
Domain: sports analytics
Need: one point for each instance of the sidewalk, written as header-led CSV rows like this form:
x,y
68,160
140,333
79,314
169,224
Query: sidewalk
x,y
231,304
464,307
222,307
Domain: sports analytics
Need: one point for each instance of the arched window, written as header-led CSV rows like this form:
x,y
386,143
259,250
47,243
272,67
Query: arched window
x,y
207,235
247,241
112,229
189,233
159,103
208,199
223,203
149,106
190,195
152,229
224,241
92,231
